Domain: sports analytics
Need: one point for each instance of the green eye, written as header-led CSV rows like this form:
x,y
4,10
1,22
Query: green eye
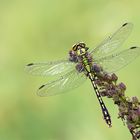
x,y
74,48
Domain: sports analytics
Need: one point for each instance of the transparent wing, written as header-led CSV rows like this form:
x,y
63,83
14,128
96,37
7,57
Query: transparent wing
x,y
113,42
116,61
67,82
50,68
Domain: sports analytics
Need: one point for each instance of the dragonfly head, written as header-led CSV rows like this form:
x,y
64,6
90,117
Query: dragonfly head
x,y
80,48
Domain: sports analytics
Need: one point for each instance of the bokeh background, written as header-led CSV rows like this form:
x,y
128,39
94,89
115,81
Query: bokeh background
x,y
44,30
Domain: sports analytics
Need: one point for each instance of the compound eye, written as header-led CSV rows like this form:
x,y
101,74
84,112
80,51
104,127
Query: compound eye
x,y
74,48
82,44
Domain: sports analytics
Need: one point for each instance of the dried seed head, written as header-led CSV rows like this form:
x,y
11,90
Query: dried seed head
x,y
130,126
114,77
134,116
96,68
103,93
135,100
79,67
122,86
107,77
137,135
73,56
138,111
129,110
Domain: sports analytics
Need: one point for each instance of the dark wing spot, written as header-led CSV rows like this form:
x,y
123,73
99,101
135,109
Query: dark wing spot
x,y
41,86
124,24
133,47
30,64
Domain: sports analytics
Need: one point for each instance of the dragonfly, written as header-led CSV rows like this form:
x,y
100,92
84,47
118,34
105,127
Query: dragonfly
x,y
73,71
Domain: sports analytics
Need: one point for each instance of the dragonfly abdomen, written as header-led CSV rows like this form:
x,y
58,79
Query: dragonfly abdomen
x,y
103,107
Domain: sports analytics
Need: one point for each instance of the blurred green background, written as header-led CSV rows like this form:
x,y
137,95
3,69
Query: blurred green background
x,y
43,30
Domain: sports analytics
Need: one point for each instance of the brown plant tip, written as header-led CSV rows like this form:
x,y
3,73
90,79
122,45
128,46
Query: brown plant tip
x,y
129,109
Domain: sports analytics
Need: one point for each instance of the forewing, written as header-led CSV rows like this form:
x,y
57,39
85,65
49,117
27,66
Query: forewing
x,y
67,82
50,68
116,61
113,42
